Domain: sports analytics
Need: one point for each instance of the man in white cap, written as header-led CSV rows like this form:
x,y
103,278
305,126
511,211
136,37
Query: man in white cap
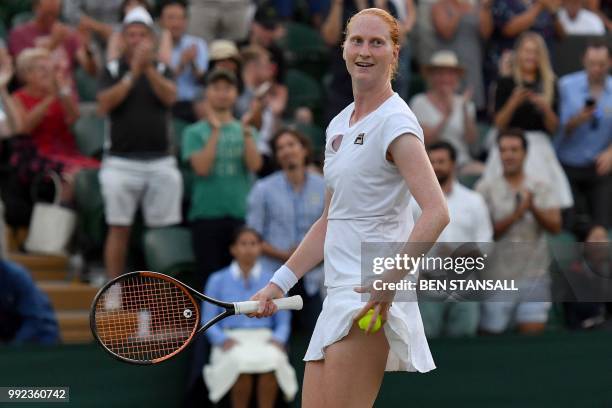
x,y
136,92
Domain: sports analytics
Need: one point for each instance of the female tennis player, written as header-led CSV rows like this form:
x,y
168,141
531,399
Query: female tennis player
x,y
375,161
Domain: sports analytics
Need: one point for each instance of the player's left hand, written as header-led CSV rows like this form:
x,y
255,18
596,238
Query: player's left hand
x,y
380,302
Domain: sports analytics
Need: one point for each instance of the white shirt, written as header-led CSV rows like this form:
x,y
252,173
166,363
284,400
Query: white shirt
x,y
469,216
370,198
454,131
585,23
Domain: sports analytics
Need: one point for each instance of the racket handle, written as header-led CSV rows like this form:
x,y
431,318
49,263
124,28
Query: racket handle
x,y
289,303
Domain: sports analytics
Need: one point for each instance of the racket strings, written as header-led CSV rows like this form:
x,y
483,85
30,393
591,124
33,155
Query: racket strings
x,y
144,318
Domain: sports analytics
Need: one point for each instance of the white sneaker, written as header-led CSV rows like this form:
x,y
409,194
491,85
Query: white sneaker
x,y
144,323
112,298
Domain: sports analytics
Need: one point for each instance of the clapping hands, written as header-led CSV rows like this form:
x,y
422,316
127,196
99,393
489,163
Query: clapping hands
x,y
143,57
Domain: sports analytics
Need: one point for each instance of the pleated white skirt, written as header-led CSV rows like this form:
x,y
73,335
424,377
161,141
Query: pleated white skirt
x,y
408,348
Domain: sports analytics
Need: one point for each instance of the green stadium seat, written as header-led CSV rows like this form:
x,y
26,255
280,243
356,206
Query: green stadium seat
x,y
304,48
89,134
417,85
316,136
562,248
303,91
3,31
168,250
178,126
21,17
9,8
469,180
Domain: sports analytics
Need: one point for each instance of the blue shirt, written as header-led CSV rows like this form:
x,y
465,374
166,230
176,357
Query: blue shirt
x,y
26,314
581,148
283,216
228,285
187,86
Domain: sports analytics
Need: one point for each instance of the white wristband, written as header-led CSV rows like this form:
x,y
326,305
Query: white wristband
x,y
284,278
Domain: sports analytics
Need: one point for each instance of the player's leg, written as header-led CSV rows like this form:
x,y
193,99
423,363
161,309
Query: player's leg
x,y
241,392
267,390
354,369
312,396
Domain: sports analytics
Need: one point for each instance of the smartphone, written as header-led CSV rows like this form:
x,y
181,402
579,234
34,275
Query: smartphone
x,y
589,102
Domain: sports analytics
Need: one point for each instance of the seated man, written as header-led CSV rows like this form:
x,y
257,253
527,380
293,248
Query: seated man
x,y
245,348
26,316
137,94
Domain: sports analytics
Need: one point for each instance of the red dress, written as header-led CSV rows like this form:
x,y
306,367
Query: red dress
x,y
52,136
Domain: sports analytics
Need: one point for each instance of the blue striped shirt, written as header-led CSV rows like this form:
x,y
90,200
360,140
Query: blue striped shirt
x,y
582,147
283,216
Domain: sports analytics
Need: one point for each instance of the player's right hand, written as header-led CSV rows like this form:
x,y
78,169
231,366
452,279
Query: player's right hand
x,y
266,307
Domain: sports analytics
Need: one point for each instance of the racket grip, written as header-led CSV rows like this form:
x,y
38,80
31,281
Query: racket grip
x,y
251,306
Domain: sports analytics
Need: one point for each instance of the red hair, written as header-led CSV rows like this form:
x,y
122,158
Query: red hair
x,y
392,24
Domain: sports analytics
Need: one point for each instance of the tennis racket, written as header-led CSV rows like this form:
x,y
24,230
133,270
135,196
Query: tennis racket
x,y
148,317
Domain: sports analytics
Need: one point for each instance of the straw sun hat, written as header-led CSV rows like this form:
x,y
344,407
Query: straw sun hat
x,y
444,59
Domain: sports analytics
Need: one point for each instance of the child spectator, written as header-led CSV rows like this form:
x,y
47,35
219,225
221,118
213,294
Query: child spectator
x,y
223,153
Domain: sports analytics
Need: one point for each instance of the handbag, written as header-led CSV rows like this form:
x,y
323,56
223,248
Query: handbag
x,y
51,225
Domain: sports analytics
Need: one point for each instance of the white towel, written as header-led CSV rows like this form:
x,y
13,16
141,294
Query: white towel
x,y
254,354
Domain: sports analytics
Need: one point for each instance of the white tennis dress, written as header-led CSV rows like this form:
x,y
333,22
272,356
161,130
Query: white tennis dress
x,y
369,204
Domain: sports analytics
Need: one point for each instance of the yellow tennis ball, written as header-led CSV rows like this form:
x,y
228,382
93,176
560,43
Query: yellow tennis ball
x,y
364,322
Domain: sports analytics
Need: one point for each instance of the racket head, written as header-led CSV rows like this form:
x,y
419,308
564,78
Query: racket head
x,y
144,317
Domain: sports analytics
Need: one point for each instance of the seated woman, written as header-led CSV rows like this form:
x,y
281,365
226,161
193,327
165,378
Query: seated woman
x,y
48,107
445,115
246,350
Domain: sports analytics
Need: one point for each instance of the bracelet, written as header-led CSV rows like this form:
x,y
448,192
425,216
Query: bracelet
x,y
284,278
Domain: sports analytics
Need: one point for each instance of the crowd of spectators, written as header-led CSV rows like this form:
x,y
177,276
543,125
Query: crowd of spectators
x,y
482,77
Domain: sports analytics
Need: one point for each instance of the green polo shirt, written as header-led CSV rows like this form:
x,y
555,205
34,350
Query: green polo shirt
x,y
223,192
